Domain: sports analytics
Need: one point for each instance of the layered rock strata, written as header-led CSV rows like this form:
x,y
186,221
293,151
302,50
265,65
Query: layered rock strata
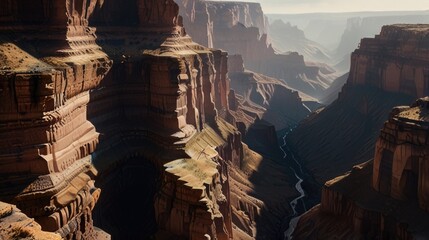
x,y
49,61
385,198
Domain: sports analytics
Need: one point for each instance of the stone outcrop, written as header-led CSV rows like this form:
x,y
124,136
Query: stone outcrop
x,y
385,198
16,225
49,61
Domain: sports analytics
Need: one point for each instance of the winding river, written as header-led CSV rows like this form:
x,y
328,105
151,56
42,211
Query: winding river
x,y
295,203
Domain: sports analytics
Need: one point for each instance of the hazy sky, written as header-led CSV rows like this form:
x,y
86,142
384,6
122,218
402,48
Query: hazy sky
x,y
304,6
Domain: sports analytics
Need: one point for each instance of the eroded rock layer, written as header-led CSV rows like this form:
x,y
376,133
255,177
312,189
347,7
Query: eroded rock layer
x,y
49,62
385,198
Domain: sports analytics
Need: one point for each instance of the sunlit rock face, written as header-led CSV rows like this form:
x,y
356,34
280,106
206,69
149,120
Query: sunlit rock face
x,y
384,198
49,61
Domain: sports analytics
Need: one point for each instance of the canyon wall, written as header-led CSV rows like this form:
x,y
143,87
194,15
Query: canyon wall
x,y
49,63
386,71
385,198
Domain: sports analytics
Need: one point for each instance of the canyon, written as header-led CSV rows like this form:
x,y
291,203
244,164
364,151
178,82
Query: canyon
x,y
150,119
93,118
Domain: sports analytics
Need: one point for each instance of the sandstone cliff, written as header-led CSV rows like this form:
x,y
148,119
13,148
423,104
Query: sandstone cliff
x,y
386,71
49,61
382,199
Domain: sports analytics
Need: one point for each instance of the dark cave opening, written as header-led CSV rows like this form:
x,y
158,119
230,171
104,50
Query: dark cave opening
x,y
125,209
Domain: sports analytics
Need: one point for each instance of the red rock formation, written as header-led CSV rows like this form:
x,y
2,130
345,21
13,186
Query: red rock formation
x,y
381,199
45,77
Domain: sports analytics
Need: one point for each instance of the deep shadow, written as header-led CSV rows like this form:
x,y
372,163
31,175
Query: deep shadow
x,y
273,181
126,209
